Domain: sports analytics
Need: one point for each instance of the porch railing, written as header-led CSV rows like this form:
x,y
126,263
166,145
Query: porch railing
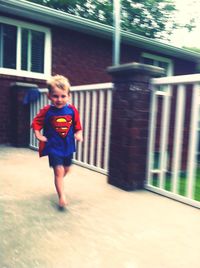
x,y
173,158
173,161
94,105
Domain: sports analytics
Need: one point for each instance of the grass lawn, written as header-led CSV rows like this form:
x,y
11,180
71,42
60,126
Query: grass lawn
x,y
182,184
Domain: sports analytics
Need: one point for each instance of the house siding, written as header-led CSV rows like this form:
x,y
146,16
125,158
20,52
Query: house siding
x,y
83,59
184,67
7,109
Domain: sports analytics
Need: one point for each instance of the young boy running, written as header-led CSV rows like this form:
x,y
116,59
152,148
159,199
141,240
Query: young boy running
x,y
61,126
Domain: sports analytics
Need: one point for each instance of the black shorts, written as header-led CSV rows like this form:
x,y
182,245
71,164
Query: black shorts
x,y
55,160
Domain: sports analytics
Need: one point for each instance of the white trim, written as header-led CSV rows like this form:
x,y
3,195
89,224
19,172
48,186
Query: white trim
x,y
23,24
151,135
48,53
18,47
193,142
94,168
87,125
47,50
90,87
104,86
178,137
164,135
12,72
93,128
82,119
29,58
174,196
172,80
100,127
108,128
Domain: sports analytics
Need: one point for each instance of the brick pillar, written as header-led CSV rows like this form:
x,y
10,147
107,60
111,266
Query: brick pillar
x,y
129,126
20,114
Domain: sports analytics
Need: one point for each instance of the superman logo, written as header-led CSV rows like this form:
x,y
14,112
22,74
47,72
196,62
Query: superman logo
x,y
62,124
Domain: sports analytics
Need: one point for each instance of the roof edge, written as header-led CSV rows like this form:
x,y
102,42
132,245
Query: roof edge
x,y
59,18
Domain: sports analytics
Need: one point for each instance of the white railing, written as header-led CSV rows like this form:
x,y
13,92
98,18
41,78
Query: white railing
x,y
34,109
173,156
94,105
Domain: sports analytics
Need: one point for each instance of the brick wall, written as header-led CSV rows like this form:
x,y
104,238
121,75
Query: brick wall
x,y
83,59
4,112
6,107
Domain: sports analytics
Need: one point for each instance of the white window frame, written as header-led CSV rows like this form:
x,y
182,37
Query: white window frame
x,y
47,50
156,59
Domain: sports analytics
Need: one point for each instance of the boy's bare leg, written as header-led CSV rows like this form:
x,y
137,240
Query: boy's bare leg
x,y
66,170
59,173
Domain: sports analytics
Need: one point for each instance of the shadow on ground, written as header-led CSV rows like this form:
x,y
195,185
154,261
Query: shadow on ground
x,y
102,227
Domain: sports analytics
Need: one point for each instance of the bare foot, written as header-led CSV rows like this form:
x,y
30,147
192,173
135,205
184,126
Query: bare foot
x,y
62,202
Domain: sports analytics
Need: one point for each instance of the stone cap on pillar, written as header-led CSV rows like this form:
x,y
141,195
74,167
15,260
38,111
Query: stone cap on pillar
x,y
135,67
26,92
23,85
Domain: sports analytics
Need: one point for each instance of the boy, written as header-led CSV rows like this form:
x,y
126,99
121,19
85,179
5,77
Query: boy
x,y
61,124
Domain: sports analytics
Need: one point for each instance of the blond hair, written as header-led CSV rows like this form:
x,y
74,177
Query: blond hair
x,y
58,81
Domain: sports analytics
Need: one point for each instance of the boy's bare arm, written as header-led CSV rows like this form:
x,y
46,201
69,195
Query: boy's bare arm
x,y
79,135
39,136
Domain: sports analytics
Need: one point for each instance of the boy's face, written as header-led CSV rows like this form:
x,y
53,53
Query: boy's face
x,y
59,97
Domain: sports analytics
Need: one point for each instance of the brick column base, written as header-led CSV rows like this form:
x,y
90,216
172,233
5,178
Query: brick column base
x,y
129,126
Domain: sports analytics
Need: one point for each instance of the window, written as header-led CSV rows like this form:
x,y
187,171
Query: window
x,y
162,62
8,35
32,51
25,49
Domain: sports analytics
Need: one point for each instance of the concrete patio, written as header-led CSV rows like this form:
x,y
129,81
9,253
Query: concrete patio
x,y
102,227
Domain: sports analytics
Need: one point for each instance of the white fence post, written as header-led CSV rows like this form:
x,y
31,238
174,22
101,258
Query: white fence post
x,y
178,137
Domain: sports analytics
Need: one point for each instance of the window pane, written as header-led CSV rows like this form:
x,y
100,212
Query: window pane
x,y
148,61
24,50
164,65
37,52
157,62
31,45
8,46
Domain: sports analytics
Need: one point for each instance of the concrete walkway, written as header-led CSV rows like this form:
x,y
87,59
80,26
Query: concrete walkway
x,y
103,227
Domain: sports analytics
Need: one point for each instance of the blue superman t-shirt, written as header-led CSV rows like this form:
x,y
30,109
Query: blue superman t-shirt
x,y
59,125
